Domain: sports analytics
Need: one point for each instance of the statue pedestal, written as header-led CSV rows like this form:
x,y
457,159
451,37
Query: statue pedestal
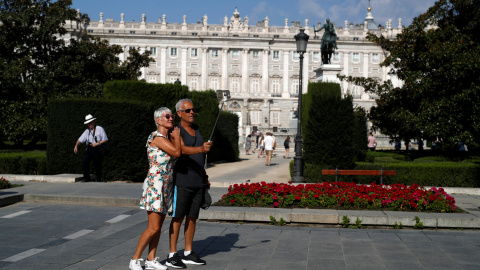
x,y
328,73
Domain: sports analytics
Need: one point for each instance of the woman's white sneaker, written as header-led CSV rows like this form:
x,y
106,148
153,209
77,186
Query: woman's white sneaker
x,y
154,264
136,264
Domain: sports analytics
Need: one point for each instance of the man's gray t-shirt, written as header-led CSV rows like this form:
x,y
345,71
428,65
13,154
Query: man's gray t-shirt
x,y
189,170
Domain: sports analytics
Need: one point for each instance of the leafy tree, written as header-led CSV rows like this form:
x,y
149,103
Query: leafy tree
x,y
436,57
38,64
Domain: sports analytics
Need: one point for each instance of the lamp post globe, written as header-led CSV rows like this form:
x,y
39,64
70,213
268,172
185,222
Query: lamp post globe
x,y
302,41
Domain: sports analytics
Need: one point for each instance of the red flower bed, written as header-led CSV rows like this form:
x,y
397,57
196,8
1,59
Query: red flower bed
x,y
341,195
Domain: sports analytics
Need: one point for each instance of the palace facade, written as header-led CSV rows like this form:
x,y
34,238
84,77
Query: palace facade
x,y
258,63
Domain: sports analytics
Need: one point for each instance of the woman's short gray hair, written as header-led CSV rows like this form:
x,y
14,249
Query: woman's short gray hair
x,y
178,106
158,113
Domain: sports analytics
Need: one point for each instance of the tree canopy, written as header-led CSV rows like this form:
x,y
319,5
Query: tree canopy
x,y
436,57
38,62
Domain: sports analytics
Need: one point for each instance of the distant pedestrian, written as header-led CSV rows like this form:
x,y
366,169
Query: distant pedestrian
x,y
397,144
255,141
94,136
420,144
261,145
407,145
286,144
163,149
461,147
248,144
371,142
269,145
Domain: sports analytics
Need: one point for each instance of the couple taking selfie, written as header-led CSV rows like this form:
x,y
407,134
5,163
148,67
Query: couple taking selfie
x,y
174,185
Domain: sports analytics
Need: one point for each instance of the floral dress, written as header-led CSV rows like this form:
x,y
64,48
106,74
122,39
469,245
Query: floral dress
x,y
157,193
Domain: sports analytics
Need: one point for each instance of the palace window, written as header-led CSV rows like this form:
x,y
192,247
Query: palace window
x,y
194,34
194,52
356,57
374,57
295,85
235,85
255,85
153,51
235,54
256,36
215,53
276,36
174,33
276,86
173,51
111,31
275,118
194,83
153,33
255,54
215,34
276,55
296,55
132,32
316,56
214,83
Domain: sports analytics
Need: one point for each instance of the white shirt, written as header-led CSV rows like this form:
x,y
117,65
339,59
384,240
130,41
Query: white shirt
x,y
269,141
87,135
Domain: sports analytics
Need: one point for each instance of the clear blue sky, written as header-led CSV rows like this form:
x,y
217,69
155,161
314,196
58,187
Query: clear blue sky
x,y
277,10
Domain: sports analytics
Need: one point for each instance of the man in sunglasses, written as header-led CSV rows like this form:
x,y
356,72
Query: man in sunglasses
x,y
189,184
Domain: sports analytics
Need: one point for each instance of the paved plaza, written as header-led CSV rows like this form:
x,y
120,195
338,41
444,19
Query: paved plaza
x,y
97,226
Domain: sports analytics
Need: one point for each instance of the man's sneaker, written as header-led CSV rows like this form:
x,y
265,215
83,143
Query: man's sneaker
x,y
154,264
193,258
175,261
136,264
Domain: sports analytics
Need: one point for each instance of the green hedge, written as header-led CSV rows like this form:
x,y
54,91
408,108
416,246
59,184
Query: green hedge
x,y
23,165
444,174
127,124
225,139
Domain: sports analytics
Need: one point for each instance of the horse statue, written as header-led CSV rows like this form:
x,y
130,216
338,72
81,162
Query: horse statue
x,y
329,41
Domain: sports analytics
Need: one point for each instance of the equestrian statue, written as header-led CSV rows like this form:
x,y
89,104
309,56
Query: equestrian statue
x,y
329,41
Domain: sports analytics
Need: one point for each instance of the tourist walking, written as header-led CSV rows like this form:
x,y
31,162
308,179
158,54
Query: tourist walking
x,y
248,144
94,137
286,144
261,144
269,146
163,148
191,180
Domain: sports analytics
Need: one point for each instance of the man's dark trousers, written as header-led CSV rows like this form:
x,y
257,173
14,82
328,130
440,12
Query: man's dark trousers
x,y
92,153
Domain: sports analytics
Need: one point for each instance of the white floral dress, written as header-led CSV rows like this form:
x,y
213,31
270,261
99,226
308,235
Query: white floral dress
x,y
157,193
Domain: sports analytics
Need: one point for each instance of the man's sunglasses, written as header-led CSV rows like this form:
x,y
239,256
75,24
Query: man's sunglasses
x,y
188,110
168,116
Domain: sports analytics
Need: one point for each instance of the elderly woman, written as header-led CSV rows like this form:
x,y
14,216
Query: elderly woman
x,y
163,148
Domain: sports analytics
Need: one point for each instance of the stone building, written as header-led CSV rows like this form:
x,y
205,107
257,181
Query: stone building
x,y
258,63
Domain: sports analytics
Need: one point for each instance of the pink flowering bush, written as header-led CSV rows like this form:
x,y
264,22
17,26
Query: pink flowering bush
x,y
339,195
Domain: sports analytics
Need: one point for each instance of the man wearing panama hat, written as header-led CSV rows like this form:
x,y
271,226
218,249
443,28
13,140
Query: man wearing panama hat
x,y
94,136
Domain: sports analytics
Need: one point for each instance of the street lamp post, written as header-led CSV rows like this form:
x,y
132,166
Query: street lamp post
x,y
301,40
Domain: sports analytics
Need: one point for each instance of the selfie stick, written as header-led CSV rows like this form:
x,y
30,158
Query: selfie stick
x,y
224,99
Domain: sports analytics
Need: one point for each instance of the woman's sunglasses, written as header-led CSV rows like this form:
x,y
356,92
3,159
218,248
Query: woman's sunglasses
x,y
168,116
188,110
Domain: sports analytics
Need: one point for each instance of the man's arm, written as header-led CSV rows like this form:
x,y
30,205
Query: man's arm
x,y
191,150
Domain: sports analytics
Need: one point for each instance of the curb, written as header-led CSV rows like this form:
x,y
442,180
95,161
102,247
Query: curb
x,y
98,201
335,217
9,199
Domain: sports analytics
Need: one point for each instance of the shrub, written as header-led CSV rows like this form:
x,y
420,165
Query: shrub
x,y
23,162
4,183
329,129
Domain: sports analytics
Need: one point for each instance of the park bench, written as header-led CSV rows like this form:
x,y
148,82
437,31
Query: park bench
x,y
380,172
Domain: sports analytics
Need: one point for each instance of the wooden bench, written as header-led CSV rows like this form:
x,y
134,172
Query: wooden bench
x,y
380,172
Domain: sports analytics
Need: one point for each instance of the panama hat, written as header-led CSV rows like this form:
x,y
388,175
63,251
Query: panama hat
x,y
89,118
